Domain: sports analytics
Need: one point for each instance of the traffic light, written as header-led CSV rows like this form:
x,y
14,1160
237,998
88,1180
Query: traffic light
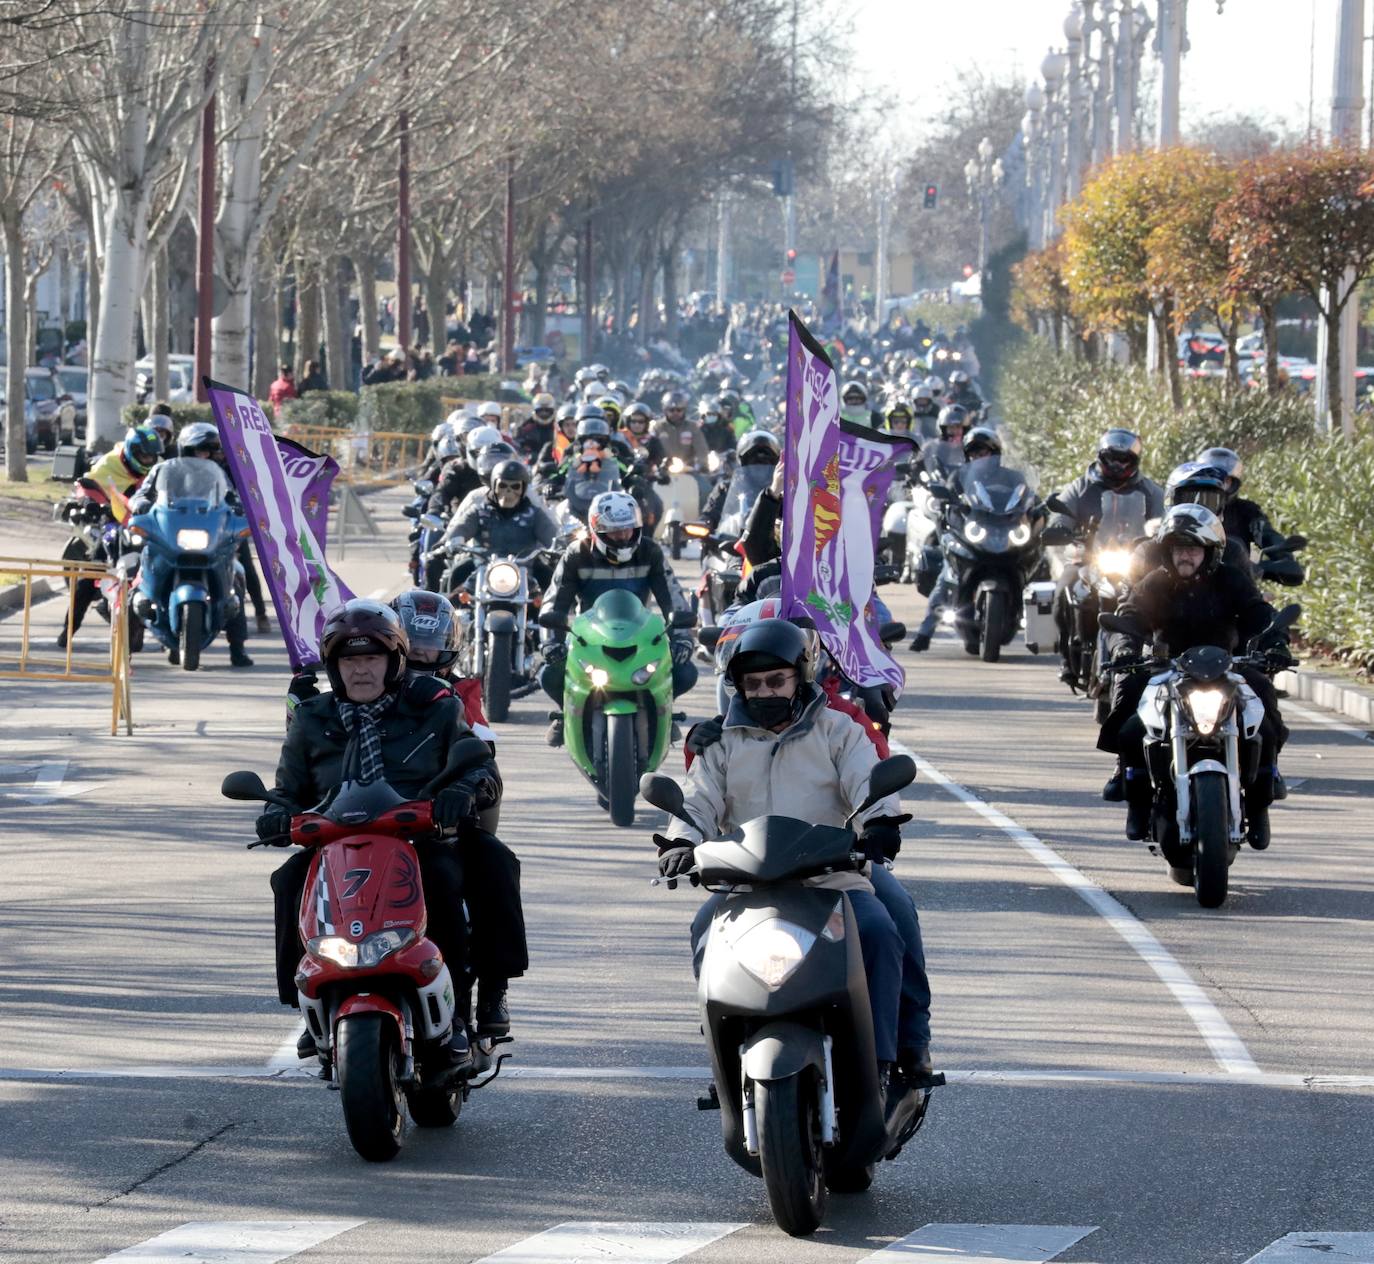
x,y
932,192
791,257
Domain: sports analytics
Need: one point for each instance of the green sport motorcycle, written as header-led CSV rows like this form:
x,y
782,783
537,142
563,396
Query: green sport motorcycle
x,y
617,695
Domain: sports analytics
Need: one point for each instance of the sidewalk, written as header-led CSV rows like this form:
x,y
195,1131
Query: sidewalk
x,y
1335,693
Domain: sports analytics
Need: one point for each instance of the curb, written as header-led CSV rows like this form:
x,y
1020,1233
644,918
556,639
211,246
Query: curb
x,y
1331,692
12,598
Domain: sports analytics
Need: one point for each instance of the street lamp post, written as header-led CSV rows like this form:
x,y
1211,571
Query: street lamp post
x,y
1073,32
983,175
1030,131
1103,62
1171,42
1052,71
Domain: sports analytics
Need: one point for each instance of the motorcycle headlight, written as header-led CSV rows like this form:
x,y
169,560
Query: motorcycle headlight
x,y
599,677
193,539
1206,707
773,950
1116,562
675,466
503,579
975,532
1020,534
643,674
363,955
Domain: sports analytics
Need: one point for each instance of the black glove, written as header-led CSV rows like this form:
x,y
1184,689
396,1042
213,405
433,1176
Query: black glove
x,y
452,806
681,649
273,823
305,684
881,839
705,734
675,856
555,651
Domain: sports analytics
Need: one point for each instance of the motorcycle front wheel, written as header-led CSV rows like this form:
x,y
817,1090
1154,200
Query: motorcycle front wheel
x,y
496,677
996,614
373,1105
790,1153
622,773
1212,838
192,633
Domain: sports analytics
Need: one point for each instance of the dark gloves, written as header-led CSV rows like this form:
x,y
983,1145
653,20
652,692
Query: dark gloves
x,y
705,734
555,651
273,823
681,649
882,838
452,806
304,686
675,856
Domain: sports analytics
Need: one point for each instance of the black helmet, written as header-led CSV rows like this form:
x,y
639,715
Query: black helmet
x,y
509,470
1229,463
430,624
1193,524
758,447
729,397
673,399
983,439
1197,483
592,426
637,411
772,643
589,411
363,626
1118,456
952,415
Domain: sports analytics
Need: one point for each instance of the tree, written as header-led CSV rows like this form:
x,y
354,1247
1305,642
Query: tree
x,y
1040,295
1306,219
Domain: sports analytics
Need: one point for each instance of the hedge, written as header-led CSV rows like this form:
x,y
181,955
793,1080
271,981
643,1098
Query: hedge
x,y
1056,408
321,408
417,407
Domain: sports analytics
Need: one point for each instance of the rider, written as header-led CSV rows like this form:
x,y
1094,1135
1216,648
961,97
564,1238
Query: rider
x,y
1194,598
399,729
198,442
961,391
538,428
1248,524
854,405
941,456
926,411
614,553
781,746
680,434
1116,470
899,417
718,432
758,447
458,475
565,423
505,522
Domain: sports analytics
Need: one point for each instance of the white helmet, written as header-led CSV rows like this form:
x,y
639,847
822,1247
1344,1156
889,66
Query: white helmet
x,y
482,437
438,432
448,446
937,386
490,409
455,418
615,511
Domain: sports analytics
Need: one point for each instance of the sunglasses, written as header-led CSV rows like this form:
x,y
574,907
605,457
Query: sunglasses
x,y
543,413
774,680
509,487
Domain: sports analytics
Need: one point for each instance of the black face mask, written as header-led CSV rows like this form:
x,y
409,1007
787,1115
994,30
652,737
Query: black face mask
x,y
766,712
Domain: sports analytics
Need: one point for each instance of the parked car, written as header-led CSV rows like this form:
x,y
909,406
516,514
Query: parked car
x,y
49,412
181,379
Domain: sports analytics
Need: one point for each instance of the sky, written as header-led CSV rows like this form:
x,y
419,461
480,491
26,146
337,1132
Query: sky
x,y
1252,58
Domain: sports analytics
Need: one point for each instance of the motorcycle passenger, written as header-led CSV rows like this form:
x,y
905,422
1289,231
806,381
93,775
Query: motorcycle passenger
x,y
198,442
615,553
1194,598
718,433
1116,470
392,727
538,428
565,430
757,448
459,475
937,389
783,750
1248,524
506,522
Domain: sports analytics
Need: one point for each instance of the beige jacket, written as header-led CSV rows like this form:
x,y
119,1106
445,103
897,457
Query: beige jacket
x,y
816,770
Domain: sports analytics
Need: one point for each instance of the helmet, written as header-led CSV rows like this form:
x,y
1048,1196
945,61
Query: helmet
x,y
899,410
600,372
984,439
958,378
491,456
936,384
566,412
163,425
728,399
430,624
482,437
490,412
952,415
441,429
582,377
448,447
453,421
543,405
1229,463
758,447
142,447
508,470
673,399
594,388
615,511
1118,456
363,626
468,422
1197,483
198,435
741,619
923,400
610,406
708,408
854,387
1193,524
638,411
593,428
772,643
623,389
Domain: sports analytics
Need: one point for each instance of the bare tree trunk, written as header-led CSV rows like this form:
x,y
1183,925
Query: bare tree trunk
x,y
436,299
111,376
366,268
16,343
667,261
267,350
334,294
1333,370
155,322
307,316
92,292
1231,331
1269,322
1167,356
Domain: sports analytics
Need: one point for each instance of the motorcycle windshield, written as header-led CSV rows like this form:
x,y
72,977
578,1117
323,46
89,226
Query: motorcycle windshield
x,y
776,848
745,485
358,802
1123,518
190,478
993,488
616,617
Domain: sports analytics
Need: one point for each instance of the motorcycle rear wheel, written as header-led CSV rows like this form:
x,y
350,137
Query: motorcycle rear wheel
x,y
994,625
1212,835
373,1105
790,1153
192,633
496,685
622,775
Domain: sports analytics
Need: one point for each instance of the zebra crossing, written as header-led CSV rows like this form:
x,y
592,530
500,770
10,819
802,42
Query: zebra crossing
x,y
665,1242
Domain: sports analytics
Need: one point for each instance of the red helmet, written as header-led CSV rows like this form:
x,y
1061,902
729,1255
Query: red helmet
x,y
364,626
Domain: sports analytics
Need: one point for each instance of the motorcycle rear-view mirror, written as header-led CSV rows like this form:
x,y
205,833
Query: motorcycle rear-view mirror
x,y
410,511
1123,625
1288,616
1055,505
467,752
682,619
554,620
248,787
938,491
886,777
663,792
708,636
431,522
1053,535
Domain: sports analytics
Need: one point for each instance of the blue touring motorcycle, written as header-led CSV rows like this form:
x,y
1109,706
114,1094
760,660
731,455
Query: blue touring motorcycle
x,y
191,584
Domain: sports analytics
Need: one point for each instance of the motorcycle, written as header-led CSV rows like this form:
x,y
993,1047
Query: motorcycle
x,y
500,646
898,530
376,995
415,510
684,504
785,1009
722,570
617,694
1202,731
190,583
991,542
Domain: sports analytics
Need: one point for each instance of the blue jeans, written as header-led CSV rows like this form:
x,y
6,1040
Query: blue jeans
x,y
913,1018
883,961
940,597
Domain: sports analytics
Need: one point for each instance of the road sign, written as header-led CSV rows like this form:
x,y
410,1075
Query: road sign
x,y
788,276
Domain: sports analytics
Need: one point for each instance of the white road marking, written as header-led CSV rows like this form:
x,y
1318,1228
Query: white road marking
x,y
1360,735
1227,1048
985,1243
1303,1248
285,1057
309,1070
377,594
49,782
581,1242
232,1242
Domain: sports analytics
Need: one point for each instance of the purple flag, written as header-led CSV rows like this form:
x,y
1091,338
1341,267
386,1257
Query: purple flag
x,y
285,492
835,486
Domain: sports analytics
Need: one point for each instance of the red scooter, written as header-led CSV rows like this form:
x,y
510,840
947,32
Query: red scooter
x,y
375,991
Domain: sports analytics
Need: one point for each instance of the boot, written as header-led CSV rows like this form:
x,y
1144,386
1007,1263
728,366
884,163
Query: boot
x,y
174,656
1257,831
920,642
238,657
263,622
1115,789
493,1016
554,737
305,1045
1139,799
458,1047
1280,785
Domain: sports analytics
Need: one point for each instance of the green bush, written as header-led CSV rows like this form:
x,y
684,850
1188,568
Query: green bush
x,y
321,408
417,407
1056,407
182,414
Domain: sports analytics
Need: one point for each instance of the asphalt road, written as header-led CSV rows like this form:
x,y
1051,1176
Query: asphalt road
x,y
1145,1081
